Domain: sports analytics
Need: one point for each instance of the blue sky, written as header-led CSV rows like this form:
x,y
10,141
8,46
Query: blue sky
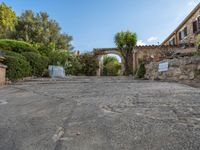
x,y
93,23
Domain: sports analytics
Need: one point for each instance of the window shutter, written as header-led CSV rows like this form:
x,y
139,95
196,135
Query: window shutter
x,y
174,41
185,31
180,37
194,26
198,24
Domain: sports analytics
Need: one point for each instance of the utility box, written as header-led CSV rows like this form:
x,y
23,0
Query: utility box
x,y
56,72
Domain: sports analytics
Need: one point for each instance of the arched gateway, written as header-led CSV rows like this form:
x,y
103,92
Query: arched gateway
x,y
99,52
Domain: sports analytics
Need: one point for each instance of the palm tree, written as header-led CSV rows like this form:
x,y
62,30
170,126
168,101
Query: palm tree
x,y
126,41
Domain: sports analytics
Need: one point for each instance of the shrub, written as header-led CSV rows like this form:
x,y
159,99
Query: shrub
x,y
16,46
18,66
73,66
38,63
89,64
111,66
141,71
58,58
14,54
67,60
198,42
45,50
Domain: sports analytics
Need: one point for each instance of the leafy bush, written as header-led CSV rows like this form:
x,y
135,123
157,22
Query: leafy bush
x,y
14,54
198,42
89,64
111,66
45,50
66,59
18,66
73,66
16,46
38,63
58,57
141,71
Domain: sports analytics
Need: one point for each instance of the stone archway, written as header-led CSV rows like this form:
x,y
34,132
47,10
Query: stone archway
x,y
98,53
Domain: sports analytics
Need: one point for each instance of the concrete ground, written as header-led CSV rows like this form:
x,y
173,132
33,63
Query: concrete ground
x,y
107,113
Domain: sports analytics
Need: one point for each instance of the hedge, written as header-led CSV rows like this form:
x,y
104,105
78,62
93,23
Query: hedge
x,y
89,64
18,66
141,71
38,63
16,46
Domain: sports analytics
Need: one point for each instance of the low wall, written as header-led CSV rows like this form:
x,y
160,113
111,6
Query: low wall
x,y
2,74
184,68
157,53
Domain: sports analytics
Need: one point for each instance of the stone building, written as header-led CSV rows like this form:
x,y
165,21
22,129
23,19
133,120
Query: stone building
x,y
180,42
2,71
186,32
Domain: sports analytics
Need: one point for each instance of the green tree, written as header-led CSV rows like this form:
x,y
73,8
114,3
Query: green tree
x,y
7,20
126,41
40,29
111,66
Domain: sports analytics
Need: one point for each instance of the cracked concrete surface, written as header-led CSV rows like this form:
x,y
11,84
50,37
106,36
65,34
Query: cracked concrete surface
x,y
107,113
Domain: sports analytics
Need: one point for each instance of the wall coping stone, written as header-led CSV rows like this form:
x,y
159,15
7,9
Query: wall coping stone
x,y
2,66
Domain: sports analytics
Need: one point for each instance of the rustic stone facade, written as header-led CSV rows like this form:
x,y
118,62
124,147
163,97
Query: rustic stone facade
x,y
150,53
99,52
184,68
157,53
184,33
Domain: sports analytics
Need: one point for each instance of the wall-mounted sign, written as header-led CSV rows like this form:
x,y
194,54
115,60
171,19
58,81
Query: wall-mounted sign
x,y
164,66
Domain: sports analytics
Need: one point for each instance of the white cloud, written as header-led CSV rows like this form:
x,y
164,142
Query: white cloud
x,y
152,39
140,43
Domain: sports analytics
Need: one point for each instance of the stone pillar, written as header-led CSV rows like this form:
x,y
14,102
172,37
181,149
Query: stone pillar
x,y
100,66
98,72
122,67
2,74
134,61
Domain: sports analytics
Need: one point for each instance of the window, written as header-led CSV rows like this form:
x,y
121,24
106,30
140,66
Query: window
x,y
198,23
185,31
195,27
180,36
172,42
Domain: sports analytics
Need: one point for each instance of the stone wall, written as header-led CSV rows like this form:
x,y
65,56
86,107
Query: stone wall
x,y
157,53
184,68
190,38
2,74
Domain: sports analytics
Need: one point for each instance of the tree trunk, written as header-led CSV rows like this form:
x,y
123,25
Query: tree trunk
x,y
127,63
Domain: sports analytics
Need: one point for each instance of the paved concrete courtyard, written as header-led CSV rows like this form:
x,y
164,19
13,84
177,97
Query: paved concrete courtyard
x,y
107,113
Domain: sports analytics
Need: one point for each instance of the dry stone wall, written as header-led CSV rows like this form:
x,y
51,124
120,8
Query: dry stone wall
x,y
184,68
